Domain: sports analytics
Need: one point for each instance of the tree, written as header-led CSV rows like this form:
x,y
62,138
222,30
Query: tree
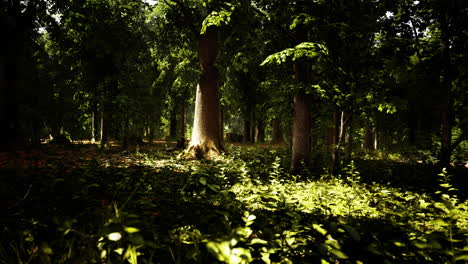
x,y
207,140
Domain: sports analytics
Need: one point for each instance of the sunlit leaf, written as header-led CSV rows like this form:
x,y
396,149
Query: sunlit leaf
x,y
319,229
338,253
202,180
131,230
115,236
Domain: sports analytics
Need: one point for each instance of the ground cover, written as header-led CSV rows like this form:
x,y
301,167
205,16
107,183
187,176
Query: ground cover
x,y
83,204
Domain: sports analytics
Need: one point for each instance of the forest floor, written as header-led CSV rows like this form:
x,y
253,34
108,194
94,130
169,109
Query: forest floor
x,y
79,203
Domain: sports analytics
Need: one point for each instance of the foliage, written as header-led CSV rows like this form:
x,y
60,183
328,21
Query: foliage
x,y
304,50
147,207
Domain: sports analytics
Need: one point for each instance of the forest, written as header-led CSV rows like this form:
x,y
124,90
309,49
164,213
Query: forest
x,y
247,131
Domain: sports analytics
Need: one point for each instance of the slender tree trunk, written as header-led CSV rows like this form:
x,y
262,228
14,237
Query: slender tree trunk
x,y
260,131
246,131
101,126
173,123
105,122
207,141
335,133
3,104
151,133
252,125
277,137
369,138
447,103
350,140
300,131
93,127
182,124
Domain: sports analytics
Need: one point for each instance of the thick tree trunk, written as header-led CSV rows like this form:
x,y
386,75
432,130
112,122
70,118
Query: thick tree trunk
x,y
207,141
300,131
277,137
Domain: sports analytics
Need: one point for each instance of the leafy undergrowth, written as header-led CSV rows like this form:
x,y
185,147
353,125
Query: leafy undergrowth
x,y
85,205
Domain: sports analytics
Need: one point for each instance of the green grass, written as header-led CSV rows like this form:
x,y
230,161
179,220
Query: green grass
x,y
107,206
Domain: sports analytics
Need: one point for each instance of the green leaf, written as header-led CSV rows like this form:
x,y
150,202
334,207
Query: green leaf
x,y
461,257
399,244
258,241
202,180
221,250
338,253
131,230
319,229
353,233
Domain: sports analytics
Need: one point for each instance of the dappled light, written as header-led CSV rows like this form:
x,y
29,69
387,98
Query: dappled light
x,y
235,132
147,205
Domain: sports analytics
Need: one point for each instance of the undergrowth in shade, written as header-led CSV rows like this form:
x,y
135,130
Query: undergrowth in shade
x,y
106,206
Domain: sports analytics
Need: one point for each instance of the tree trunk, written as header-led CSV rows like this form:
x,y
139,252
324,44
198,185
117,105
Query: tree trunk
x,y
447,100
369,138
173,123
300,131
260,131
207,141
350,140
3,105
277,137
246,133
93,127
101,126
105,122
252,125
182,124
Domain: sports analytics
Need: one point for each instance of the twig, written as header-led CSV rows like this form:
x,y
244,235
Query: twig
x,y
22,199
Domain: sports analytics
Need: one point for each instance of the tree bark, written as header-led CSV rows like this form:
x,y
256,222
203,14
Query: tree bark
x,y
105,123
277,137
246,133
207,141
173,122
93,126
300,131
260,131
369,138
